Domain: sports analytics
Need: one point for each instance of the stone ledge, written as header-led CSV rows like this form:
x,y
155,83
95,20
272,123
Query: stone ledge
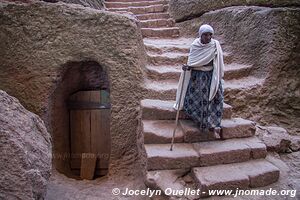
x,y
180,10
251,174
185,155
159,110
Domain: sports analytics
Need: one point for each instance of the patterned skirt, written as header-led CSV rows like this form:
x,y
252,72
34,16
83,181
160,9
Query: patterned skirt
x,y
207,114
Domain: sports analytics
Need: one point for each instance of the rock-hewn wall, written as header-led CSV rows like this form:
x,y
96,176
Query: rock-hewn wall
x,y
182,10
41,43
25,147
97,4
267,38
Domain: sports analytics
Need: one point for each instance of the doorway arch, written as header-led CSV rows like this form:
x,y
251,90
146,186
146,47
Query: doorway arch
x,y
76,77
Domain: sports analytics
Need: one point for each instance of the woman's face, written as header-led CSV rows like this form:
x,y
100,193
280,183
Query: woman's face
x,y
206,37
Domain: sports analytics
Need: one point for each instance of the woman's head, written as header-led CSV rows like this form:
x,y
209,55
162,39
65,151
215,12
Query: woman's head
x,y
205,33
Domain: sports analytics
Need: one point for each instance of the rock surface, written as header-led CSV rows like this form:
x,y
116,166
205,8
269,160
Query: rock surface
x,y
277,139
62,187
295,143
266,39
25,147
97,4
182,10
42,44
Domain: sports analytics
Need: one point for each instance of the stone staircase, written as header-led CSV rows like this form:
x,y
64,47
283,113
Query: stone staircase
x,y
198,160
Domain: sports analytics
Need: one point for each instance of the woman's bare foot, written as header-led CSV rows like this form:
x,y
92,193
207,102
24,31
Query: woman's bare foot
x,y
218,133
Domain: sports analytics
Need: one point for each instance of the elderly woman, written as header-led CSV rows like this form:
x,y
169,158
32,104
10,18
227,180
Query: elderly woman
x,y
202,93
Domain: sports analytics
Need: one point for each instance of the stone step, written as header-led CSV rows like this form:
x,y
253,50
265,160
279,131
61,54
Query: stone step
x,y
142,9
157,23
161,90
168,58
162,87
250,174
153,109
245,83
181,44
231,128
176,49
159,156
166,89
160,73
156,92
160,32
245,175
148,16
126,4
159,46
236,71
187,155
161,131
176,58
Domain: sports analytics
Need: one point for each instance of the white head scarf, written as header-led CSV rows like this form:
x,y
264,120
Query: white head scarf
x,y
205,28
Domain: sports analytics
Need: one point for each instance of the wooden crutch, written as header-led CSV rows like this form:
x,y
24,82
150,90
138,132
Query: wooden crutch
x,y
179,102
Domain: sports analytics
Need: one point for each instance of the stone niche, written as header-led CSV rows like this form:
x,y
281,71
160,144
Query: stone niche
x,y
72,124
50,51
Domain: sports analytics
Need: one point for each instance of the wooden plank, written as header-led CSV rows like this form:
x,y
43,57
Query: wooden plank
x,y
88,164
80,129
104,146
86,131
95,131
95,125
80,136
100,131
101,138
76,138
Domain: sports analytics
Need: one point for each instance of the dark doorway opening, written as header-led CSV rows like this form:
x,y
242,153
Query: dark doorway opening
x,y
81,96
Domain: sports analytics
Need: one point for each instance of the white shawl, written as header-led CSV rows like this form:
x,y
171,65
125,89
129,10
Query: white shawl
x,y
200,55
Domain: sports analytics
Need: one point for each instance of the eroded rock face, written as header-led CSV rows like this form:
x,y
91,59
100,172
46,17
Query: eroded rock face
x,y
25,147
276,138
265,38
182,10
41,43
97,4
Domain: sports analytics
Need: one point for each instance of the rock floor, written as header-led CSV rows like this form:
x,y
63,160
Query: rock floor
x,y
61,187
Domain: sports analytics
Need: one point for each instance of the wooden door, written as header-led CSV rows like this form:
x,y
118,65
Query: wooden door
x,y
90,128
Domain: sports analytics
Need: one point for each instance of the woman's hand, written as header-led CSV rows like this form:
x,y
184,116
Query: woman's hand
x,y
186,68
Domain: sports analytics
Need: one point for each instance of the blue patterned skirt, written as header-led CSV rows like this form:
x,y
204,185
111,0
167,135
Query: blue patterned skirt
x,y
207,114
